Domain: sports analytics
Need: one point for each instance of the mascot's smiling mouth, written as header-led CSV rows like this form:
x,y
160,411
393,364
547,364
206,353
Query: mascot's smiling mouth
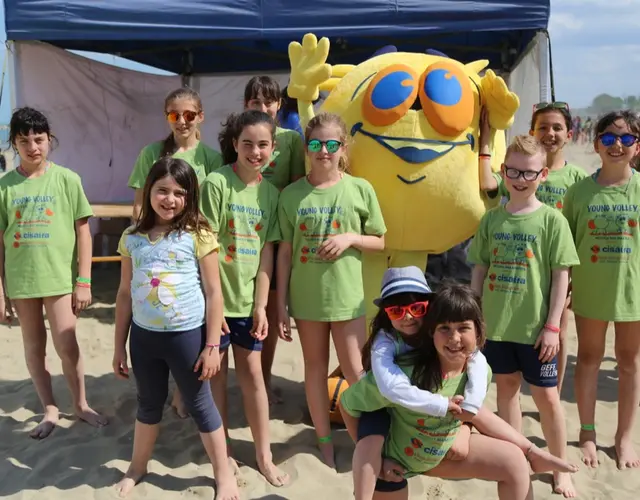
x,y
412,150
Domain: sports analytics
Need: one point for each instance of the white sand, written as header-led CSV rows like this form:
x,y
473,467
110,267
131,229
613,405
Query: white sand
x,y
78,462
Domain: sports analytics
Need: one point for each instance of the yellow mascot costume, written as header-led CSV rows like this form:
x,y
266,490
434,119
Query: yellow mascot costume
x,y
413,120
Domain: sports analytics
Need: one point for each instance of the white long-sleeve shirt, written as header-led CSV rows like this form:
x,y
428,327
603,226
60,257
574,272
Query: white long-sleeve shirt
x,y
396,386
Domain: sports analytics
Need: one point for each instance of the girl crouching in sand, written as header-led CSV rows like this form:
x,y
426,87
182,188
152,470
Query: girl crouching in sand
x,y
169,268
435,356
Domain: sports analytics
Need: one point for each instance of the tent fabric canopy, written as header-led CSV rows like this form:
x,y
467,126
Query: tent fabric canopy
x,y
222,36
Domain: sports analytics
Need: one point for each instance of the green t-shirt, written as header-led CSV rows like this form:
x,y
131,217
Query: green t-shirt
x,y
202,158
521,251
244,218
322,290
550,192
38,218
416,441
605,222
286,164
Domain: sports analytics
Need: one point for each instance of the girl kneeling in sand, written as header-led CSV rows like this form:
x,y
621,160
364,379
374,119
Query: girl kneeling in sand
x,y
169,268
435,356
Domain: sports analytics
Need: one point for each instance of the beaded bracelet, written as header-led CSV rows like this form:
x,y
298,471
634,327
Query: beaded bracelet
x,y
82,285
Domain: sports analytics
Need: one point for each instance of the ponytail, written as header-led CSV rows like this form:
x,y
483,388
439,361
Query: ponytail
x,y
230,131
234,126
169,146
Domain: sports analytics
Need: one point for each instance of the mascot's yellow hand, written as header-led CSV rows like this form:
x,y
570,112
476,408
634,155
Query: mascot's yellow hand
x,y
309,68
500,101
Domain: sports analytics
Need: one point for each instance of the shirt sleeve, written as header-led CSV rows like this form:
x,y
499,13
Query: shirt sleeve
x,y
122,244
211,201
476,389
273,234
479,249
500,186
286,227
373,223
81,206
363,396
396,386
563,251
205,244
4,220
141,169
297,158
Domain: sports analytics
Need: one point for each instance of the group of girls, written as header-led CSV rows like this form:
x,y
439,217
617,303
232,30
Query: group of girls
x,y
227,246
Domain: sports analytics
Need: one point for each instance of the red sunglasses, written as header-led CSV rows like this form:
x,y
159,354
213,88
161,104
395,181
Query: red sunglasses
x,y
174,116
416,310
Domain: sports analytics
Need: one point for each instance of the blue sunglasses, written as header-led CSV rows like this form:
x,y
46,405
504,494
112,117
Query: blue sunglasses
x,y
609,139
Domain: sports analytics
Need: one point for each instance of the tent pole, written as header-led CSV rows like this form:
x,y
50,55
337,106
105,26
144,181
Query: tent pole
x,y
187,72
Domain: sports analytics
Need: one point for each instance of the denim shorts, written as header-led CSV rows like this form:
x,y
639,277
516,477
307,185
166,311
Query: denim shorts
x,y
240,335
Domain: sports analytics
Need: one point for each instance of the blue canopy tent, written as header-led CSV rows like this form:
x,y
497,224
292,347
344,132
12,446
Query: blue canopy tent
x,y
238,36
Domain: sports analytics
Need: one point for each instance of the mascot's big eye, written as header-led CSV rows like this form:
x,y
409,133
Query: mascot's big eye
x,y
447,98
390,95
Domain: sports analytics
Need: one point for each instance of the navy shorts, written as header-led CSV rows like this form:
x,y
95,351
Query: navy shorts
x,y
377,423
506,358
240,335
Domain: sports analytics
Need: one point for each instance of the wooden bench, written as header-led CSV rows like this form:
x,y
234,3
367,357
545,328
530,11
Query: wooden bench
x,y
110,211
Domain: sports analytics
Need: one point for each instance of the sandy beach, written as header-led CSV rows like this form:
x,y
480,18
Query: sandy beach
x,y
78,462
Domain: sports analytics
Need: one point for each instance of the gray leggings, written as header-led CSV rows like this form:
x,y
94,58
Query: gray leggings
x,y
153,356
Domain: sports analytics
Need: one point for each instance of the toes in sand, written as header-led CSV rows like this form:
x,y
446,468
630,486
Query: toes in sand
x,y
127,483
588,448
46,425
562,485
91,416
274,475
627,458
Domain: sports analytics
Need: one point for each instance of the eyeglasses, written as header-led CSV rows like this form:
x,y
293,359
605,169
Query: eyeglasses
x,y
550,105
609,139
315,146
174,116
416,310
527,175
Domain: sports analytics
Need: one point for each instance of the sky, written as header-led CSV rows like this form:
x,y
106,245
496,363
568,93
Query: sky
x,y
595,49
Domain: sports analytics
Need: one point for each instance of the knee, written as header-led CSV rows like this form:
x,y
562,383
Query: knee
x,y
205,414
515,466
547,398
150,408
590,359
508,385
628,363
67,347
370,446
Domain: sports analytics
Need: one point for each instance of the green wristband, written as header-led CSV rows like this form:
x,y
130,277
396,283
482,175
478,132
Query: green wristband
x,y
86,281
588,427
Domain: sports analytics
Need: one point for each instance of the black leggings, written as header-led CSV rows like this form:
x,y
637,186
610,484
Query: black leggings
x,y
153,356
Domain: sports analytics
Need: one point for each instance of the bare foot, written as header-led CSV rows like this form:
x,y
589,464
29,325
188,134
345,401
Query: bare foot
x,y
273,396
91,417
178,405
627,457
543,461
588,448
130,479
227,488
328,456
47,424
562,485
272,474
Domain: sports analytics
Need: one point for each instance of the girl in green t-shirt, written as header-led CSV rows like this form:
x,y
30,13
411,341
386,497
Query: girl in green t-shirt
x,y
551,126
242,209
603,211
184,114
286,165
45,261
327,220
417,443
